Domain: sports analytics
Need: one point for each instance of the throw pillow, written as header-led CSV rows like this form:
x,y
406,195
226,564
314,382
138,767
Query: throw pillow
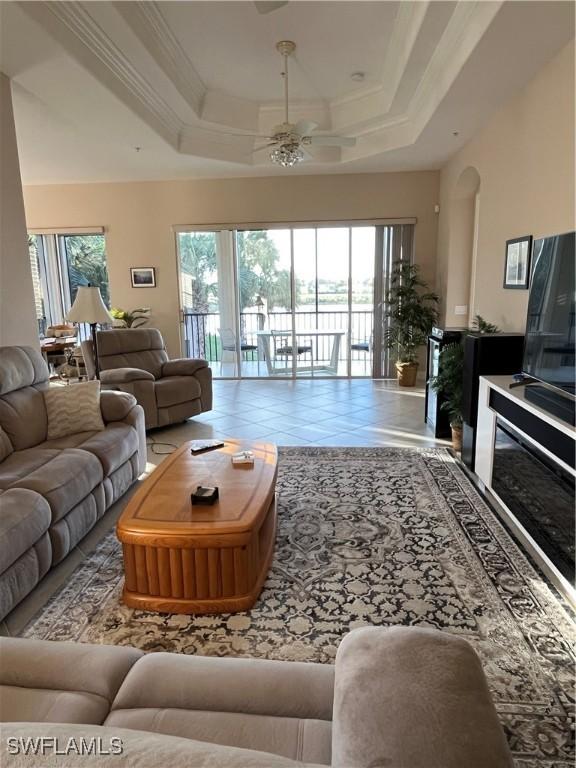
x,y
73,409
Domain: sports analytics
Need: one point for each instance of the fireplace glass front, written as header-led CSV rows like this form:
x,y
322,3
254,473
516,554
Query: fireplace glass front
x,y
539,493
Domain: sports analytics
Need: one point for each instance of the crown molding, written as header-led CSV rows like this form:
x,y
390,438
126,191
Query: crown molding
x,y
149,25
407,25
107,62
463,32
363,114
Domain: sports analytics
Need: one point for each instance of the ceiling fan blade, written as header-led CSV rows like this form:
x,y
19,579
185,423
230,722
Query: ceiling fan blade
x,y
330,141
266,146
240,135
305,127
268,7
217,131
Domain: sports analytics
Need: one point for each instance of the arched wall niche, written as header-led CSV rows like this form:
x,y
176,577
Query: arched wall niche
x,y
463,214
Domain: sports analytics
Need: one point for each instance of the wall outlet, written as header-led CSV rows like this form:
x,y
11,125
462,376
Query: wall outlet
x,y
461,309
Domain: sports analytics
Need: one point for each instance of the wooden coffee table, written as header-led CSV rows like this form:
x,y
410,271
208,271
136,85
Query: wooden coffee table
x,y
180,558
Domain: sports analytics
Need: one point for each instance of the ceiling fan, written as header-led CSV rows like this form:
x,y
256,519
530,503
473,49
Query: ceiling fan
x,y
287,140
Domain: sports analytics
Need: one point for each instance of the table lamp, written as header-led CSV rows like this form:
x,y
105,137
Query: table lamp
x,y
89,308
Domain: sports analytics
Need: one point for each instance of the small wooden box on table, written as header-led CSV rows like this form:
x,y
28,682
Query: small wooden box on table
x,y
180,558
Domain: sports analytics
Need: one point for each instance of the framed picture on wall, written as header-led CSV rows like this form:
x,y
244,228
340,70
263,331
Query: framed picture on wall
x,y
143,277
517,265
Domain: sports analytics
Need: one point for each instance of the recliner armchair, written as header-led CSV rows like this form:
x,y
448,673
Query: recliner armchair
x,y
135,360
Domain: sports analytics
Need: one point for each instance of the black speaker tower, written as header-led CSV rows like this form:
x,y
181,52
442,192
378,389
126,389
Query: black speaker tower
x,y
485,354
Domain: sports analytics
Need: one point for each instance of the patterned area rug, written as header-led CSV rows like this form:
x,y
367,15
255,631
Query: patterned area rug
x,y
370,536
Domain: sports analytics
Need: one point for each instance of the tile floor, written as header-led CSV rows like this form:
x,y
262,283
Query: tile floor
x,y
337,412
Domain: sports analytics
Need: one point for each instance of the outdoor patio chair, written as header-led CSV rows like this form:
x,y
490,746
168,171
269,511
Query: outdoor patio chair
x,y
364,345
230,344
284,350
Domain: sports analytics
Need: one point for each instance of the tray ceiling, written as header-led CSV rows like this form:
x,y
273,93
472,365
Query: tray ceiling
x,y
137,90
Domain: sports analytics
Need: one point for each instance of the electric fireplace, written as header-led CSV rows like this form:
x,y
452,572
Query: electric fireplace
x,y
538,492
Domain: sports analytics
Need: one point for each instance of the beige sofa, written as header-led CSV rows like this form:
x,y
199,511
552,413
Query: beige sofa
x,y
52,492
135,360
400,698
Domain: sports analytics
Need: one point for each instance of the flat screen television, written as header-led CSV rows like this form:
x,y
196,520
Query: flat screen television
x,y
549,345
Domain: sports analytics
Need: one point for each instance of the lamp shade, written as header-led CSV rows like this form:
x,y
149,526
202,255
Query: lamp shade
x,y
88,306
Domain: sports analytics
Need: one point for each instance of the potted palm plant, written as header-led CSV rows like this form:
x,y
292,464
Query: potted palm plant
x,y
449,384
480,325
411,313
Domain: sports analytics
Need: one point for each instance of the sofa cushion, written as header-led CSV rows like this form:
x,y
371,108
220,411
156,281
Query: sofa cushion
x,y
45,681
22,463
24,517
73,409
6,447
176,389
113,446
52,706
138,749
64,480
23,416
292,737
21,367
287,712
167,680
66,532
23,575
70,441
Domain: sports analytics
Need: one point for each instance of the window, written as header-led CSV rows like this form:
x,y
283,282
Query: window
x,y
60,263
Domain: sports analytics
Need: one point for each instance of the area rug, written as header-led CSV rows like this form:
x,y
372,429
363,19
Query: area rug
x,y
370,536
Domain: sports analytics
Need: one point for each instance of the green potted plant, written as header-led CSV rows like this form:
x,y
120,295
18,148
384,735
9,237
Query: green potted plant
x,y
480,325
449,384
412,311
130,318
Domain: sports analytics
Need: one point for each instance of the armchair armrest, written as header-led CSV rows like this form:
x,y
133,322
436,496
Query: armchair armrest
x,y
124,375
115,406
183,366
414,697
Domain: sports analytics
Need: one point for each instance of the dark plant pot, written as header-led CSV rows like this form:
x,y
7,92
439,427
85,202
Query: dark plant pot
x,y
407,374
457,437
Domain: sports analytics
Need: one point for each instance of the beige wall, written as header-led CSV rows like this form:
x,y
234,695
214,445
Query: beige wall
x,y
17,310
525,159
139,219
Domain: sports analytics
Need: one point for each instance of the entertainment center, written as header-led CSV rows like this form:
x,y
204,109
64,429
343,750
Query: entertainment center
x,y
525,441
525,461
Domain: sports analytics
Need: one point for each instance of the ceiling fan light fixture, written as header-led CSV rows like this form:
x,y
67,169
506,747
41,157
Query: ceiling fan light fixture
x,y
287,155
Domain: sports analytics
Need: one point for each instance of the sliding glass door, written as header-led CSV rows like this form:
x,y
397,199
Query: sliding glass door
x,y
265,296
208,299
289,302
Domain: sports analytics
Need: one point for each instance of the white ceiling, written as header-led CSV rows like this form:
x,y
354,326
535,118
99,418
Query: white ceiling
x,y
234,47
92,81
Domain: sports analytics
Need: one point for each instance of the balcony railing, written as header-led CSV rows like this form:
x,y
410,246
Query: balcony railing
x,y
202,339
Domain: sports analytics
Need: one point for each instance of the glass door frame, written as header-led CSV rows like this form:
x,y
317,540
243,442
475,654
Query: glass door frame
x,y
387,251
